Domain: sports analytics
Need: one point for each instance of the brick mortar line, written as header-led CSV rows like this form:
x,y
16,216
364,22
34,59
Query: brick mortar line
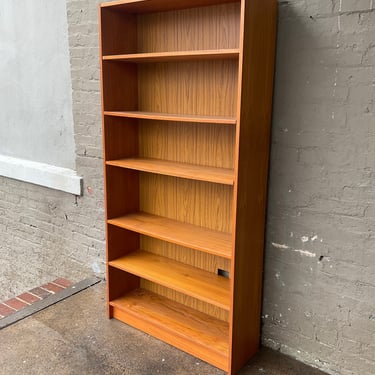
x,y
48,301
34,295
46,290
4,303
18,298
21,300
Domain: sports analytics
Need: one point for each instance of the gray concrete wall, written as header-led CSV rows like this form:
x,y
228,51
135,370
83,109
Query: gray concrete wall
x,y
319,294
36,121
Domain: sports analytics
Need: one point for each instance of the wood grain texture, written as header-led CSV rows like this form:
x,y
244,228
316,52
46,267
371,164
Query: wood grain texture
x,y
198,334
173,117
204,28
199,203
120,284
122,191
182,170
144,6
120,88
208,262
198,238
113,27
193,303
200,144
204,261
176,56
120,138
207,88
121,242
178,276
258,26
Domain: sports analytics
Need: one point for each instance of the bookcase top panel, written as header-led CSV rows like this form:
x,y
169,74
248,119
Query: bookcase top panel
x,y
146,6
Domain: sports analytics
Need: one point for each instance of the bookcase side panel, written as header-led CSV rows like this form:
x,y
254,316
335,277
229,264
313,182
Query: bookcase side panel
x,y
119,86
122,191
120,138
255,109
119,283
118,32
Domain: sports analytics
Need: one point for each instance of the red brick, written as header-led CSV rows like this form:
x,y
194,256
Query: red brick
x,y
40,292
62,282
53,288
5,310
29,298
15,304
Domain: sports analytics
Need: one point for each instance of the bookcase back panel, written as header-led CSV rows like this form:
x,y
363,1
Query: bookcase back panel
x,y
204,204
200,144
214,27
207,262
195,87
185,300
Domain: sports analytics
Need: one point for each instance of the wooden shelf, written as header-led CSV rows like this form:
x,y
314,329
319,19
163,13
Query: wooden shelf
x,y
193,172
192,331
175,56
137,6
173,117
181,277
188,235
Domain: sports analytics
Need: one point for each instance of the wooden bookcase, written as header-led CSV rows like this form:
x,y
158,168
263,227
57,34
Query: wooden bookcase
x,y
187,99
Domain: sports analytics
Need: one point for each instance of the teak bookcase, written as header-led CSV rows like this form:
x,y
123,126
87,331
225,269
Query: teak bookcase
x,y
187,99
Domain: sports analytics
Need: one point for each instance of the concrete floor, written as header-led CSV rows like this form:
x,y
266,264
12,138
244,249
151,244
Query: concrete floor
x,y
74,337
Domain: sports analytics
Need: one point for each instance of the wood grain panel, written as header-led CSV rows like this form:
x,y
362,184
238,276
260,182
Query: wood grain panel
x,y
119,86
255,108
122,191
178,276
186,300
114,26
203,204
198,238
200,144
182,170
119,283
121,241
197,88
176,56
204,261
205,28
173,117
207,262
120,137
196,333
145,6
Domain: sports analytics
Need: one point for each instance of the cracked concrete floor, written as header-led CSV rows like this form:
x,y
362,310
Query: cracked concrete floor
x,y
74,337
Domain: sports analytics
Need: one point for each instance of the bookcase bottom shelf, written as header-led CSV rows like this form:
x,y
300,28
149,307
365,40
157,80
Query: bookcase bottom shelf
x,y
194,332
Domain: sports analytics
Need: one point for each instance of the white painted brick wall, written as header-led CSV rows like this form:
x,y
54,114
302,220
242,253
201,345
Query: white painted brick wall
x,y
45,233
